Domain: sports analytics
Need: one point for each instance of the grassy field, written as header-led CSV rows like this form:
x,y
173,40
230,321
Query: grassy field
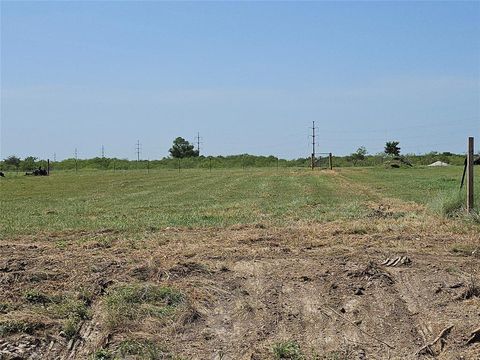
x,y
136,201
237,264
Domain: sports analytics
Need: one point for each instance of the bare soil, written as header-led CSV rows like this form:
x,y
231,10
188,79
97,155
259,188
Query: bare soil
x,y
249,287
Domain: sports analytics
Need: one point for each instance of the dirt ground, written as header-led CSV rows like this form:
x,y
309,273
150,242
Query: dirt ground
x,y
324,286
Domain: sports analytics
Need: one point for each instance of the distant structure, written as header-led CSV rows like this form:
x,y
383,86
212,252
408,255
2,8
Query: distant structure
x,y
439,163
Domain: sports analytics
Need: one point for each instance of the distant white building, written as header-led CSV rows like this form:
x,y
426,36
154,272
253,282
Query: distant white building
x,y
439,163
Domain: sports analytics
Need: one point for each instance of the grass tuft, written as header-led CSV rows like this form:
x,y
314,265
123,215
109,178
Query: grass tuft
x,y
143,348
448,203
129,303
102,354
36,297
287,350
14,326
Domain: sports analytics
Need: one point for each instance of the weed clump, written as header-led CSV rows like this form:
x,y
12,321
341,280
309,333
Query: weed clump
x,y
70,309
134,302
14,326
36,297
472,290
448,204
143,348
287,350
102,354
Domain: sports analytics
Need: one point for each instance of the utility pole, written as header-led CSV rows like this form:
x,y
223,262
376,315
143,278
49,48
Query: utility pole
x,y
137,149
198,143
76,158
313,144
470,184
103,152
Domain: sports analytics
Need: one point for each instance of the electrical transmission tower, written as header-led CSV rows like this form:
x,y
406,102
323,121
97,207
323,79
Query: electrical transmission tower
x,y
198,142
76,158
313,145
103,152
137,149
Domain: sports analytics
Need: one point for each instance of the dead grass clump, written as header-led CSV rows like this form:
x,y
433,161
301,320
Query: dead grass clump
x,y
188,268
472,290
372,272
465,249
129,303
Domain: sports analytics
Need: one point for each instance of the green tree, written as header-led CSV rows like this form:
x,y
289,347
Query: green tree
x,y
29,163
181,148
358,155
392,148
12,160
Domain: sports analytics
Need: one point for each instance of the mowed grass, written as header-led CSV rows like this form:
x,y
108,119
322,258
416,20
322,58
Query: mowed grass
x,y
419,184
134,201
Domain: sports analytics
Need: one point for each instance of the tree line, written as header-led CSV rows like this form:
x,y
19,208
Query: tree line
x,y
184,155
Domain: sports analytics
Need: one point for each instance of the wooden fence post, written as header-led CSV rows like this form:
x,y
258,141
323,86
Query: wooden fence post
x,y
330,163
470,175
48,166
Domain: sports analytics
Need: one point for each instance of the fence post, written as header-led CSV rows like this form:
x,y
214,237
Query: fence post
x,y
470,175
48,166
330,163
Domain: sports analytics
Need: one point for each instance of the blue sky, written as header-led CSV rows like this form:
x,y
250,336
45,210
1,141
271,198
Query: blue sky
x,y
249,76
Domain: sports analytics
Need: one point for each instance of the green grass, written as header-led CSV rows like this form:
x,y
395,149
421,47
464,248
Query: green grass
x,y
133,201
287,350
133,302
15,326
419,184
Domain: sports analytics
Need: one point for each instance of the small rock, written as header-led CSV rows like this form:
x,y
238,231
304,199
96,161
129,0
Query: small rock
x,y
359,291
456,285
